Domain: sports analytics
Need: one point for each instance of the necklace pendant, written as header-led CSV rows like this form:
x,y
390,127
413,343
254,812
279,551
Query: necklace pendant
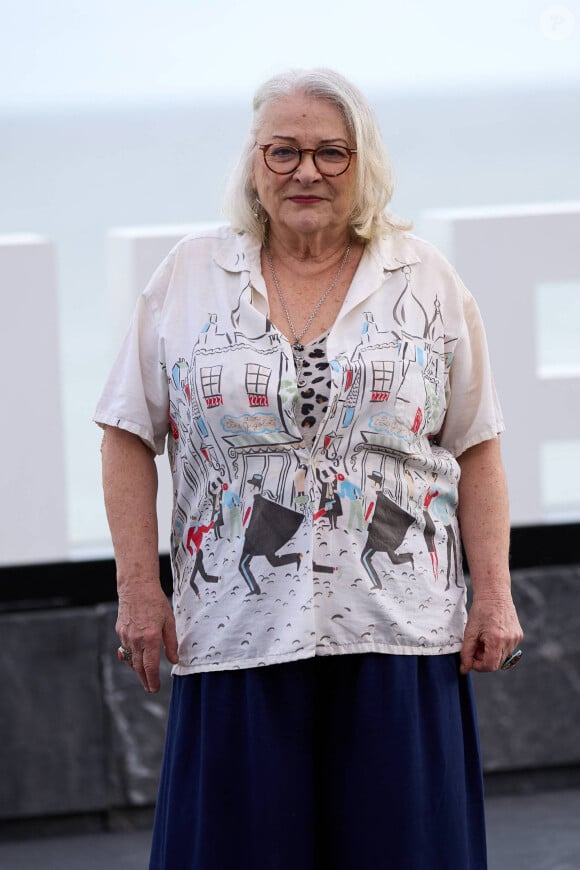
x,y
297,347
299,364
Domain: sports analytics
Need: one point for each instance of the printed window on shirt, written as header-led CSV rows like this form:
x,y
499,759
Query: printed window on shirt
x,y
211,378
257,379
383,373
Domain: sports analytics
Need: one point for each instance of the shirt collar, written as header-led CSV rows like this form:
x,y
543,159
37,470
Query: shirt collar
x,y
394,251
240,252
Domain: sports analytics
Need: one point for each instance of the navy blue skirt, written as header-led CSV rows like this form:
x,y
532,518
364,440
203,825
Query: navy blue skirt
x,y
345,762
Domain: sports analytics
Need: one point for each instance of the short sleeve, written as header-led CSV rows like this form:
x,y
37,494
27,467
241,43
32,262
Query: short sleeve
x,y
135,396
473,411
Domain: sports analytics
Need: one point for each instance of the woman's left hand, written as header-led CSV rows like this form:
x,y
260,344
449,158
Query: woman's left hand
x,y
492,633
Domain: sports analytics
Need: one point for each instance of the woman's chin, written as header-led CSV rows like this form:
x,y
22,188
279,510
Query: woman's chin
x,y
305,224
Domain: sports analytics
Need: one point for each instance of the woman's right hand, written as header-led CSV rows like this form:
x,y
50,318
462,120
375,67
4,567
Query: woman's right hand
x,y
145,623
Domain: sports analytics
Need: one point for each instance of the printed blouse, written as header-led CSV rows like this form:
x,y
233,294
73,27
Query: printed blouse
x,y
281,549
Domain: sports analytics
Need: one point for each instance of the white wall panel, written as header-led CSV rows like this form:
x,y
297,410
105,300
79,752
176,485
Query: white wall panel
x,y
503,255
32,479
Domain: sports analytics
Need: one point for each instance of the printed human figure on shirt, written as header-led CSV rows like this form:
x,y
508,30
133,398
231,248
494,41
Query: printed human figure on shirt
x,y
233,504
175,539
386,530
411,489
300,479
429,528
195,534
444,511
215,491
330,505
355,498
268,527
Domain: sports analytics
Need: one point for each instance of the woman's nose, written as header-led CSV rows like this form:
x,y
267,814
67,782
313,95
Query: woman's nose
x,y
307,170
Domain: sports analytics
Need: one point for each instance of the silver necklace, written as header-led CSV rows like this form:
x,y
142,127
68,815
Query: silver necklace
x,y
297,346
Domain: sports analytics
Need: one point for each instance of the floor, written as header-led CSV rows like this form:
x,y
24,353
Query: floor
x,y
529,832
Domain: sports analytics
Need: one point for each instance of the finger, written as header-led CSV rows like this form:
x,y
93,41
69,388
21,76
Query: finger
x,y
466,663
170,642
138,666
490,659
480,654
125,650
467,654
486,665
150,663
473,647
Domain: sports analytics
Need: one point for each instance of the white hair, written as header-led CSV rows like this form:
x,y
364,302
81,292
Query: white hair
x,y
373,187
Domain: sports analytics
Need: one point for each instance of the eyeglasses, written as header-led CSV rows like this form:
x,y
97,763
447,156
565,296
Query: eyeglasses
x,y
331,160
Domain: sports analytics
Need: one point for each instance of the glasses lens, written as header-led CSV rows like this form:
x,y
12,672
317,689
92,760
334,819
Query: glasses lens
x,y
329,159
282,158
332,159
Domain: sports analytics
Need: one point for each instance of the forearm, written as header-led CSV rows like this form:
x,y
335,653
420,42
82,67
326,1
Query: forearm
x,y
130,490
484,519
145,620
493,631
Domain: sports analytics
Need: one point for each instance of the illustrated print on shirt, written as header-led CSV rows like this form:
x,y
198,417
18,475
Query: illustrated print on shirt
x,y
269,527
256,441
444,511
354,497
386,531
395,377
330,504
340,535
397,374
383,395
429,529
195,535
385,373
215,492
233,504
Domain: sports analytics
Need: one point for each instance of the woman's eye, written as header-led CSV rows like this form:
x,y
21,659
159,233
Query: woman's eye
x,y
282,152
331,152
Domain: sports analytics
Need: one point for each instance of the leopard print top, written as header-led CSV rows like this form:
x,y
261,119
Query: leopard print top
x,y
313,387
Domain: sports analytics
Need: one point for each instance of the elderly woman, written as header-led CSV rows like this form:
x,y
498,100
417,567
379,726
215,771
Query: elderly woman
x,y
312,352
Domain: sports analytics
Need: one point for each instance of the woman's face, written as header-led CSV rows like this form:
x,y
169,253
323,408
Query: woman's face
x,y
304,202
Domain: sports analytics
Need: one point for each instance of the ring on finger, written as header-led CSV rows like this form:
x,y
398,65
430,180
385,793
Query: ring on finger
x,y
124,655
511,660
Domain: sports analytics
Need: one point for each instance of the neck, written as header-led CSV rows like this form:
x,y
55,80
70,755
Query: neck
x,y
313,248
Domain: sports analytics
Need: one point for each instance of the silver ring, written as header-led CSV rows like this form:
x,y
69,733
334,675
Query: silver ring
x,y
124,655
512,660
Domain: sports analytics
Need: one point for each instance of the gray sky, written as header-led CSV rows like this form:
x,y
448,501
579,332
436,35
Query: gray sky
x,y
70,52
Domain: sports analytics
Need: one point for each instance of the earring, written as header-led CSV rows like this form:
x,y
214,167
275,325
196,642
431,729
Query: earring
x,y
259,211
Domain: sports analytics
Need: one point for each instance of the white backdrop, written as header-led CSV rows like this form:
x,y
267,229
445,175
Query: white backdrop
x,y
130,114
